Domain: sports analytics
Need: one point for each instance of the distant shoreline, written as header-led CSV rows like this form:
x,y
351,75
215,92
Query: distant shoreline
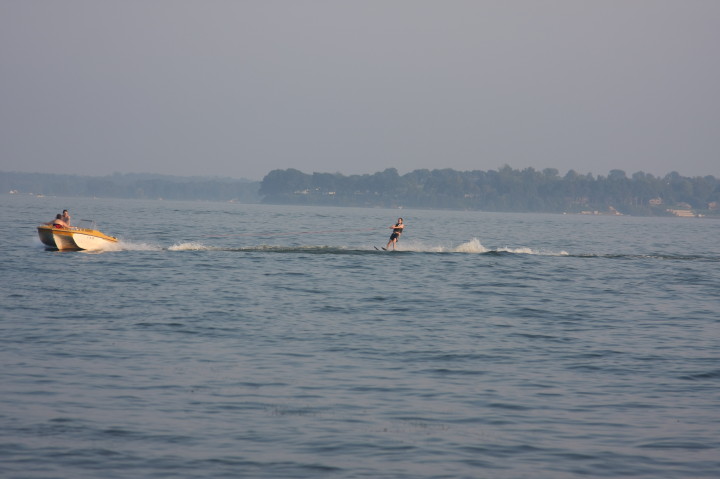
x,y
502,191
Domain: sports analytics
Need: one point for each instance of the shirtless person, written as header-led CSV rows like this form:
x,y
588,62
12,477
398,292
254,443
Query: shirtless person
x,y
58,222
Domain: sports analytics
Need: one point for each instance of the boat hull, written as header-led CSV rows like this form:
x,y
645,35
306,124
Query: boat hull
x,y
74,239
46,236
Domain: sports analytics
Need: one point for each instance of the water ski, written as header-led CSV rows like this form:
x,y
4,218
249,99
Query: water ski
x,y
384,249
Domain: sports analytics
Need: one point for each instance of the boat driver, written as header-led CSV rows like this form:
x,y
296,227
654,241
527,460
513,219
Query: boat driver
x,y
58,222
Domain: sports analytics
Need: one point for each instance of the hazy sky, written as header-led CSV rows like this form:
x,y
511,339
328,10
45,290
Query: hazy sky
x,y
238,88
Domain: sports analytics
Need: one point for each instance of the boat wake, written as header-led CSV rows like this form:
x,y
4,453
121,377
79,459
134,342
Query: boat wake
x,y
194,246
472,247
124,245
475,247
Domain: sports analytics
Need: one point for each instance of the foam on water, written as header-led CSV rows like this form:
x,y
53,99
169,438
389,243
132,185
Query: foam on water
x,y
124,245
474,246
191,246
526,250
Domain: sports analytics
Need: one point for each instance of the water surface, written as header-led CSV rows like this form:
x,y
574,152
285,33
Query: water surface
x,y
228,340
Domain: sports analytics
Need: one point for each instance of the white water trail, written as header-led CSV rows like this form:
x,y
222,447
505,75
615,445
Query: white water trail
x,y
191,246
124,245
474,246
526,250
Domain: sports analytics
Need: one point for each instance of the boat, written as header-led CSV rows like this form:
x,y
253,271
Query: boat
x,y
75,238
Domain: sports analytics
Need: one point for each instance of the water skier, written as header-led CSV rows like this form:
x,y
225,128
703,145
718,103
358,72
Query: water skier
x,y
395,236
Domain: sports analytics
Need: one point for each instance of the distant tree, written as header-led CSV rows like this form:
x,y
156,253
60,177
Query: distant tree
x,y
281,183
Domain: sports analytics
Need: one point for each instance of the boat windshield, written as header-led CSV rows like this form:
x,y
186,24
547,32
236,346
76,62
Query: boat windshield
x,y
87,224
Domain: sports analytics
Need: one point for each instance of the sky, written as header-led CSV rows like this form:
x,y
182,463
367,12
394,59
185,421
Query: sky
x,y
237,88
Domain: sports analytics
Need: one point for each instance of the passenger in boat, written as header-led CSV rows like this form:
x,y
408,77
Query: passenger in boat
x,y
395,236
66,217
58,222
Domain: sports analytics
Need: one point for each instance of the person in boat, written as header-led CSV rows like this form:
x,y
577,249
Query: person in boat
x,y
66,217
58,222
397,231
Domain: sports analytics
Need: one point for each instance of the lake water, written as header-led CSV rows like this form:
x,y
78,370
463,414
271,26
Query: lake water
x,y
229,340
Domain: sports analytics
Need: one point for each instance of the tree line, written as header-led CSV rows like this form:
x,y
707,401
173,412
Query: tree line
x,y
139,186
505,189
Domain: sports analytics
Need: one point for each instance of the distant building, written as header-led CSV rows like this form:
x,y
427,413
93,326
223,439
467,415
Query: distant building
x,y
685,213
655,202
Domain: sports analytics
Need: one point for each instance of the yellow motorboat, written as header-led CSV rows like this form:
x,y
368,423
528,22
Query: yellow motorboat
x,y
75,238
